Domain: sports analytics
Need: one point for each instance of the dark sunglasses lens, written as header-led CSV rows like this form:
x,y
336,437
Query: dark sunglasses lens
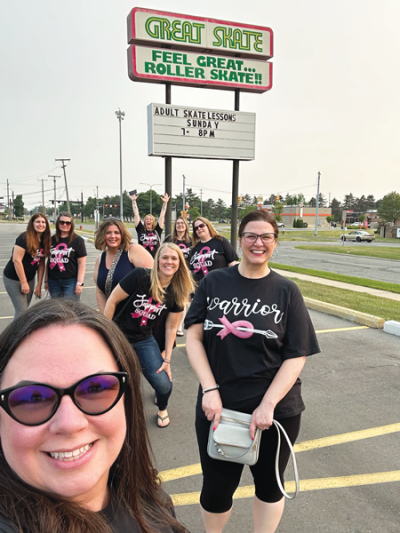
x,y
65,223
97,394
199,226
32,404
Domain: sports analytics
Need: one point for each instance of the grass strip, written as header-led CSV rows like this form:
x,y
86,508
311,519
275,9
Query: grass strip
x,y
381,252
363,282
366,303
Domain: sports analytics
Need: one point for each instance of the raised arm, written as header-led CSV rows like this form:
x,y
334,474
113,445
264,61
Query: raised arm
x,y
161,218
135,208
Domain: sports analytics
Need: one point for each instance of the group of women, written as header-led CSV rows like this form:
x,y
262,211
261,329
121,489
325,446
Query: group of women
x,y
60,258
249,334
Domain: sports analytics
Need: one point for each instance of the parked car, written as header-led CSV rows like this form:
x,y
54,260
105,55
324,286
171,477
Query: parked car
x,y
280,224
358,236
355,224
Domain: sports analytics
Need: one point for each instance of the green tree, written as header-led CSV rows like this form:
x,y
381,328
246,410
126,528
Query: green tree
x,y
336,210
277,210
220,209
18,206
312,202
194,212
389,208
330,219
361,218
349,201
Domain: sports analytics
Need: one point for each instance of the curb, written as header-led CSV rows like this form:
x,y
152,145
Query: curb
x,y
348,314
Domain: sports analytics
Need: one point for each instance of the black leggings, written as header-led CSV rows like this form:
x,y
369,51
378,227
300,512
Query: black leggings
x,y
221,478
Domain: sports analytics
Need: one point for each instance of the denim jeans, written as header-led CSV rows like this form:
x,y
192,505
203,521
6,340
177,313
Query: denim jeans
x,y
150,359
63,288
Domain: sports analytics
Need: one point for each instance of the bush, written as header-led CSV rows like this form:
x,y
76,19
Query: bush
x,y
295,222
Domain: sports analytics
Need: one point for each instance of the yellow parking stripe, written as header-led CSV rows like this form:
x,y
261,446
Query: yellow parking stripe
x,y
195,469
192,498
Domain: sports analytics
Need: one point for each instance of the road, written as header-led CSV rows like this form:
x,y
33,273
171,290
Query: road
x,y
348,449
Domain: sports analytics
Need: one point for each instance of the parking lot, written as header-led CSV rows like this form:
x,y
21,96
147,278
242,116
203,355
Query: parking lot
x,y
349,446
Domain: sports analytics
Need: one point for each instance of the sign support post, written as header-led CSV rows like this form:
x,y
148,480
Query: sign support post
x,y
168,174
235,185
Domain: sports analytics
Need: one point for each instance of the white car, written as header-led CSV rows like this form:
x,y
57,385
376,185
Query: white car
x,y
358,236
280,224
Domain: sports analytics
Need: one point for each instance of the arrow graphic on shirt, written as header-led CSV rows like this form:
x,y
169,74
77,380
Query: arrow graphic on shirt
x,y
240,328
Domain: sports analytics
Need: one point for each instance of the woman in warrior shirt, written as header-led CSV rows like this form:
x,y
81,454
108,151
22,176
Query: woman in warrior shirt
x,y
149,231
249,333
67,263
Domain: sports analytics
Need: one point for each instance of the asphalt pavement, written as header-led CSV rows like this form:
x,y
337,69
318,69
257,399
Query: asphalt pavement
x,y
348,450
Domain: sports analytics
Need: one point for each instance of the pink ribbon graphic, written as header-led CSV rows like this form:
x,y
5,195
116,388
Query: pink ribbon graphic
x,y
233,328
38,256
147,309
58,256
149,244
201,260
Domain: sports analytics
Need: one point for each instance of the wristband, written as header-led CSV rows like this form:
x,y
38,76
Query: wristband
x,y
216,387
167,360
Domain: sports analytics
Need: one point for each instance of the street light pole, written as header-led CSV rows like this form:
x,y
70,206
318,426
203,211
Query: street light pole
x,y
120,116
151,192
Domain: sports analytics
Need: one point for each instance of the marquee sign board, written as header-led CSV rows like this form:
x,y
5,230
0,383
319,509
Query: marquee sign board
x,y
160,65
160,28
184,131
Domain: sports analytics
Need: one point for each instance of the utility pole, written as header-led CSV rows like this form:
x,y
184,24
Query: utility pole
x,y
43,207
8,200
97,214
65,179
316,209
55,197
81,206
12,204
201,202
120,116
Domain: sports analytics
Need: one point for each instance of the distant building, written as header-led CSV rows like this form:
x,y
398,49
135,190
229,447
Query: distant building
x,y
292,212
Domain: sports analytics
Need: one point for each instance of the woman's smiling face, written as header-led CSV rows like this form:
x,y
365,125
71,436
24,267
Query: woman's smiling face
x,y
60,356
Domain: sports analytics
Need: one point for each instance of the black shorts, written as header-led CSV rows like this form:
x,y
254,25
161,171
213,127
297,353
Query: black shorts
x,y
221,478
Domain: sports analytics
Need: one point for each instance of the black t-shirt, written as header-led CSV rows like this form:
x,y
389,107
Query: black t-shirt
x,y
251,326
183,245
208,256
63,262
151,240
140,313
29,262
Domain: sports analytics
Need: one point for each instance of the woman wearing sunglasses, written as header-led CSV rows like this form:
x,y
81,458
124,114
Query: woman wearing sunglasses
x,y
28,258
210,250
67,263
74,449
139,302
249,333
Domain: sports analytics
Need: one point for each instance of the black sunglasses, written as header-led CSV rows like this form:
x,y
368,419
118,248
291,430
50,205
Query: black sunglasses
x,y
202,225
33,404
65,222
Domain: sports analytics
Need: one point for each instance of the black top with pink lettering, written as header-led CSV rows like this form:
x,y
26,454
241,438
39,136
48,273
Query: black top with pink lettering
x,y
63,262
151,240
251,326
140,313
210,255
183,245
29,262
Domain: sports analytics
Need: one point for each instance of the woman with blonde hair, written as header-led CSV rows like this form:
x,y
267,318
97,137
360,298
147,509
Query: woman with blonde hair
x,y
28,257
149,231
118,259
210,249
139,302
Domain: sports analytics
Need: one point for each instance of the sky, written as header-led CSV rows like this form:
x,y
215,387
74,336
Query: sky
x,y
333,107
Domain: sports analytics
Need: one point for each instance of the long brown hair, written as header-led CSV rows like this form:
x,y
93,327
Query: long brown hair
x,y
71,235
213,232
33,241
186,236
181,283
134,481
100,240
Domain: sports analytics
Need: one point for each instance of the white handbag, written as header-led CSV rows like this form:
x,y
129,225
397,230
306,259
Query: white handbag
x,y
231,442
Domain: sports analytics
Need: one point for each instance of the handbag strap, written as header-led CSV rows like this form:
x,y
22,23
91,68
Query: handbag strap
x,y
280,429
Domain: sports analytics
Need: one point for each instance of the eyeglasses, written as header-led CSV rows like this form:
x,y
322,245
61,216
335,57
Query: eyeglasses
x,y
33,404
265,237
202,225
65,222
